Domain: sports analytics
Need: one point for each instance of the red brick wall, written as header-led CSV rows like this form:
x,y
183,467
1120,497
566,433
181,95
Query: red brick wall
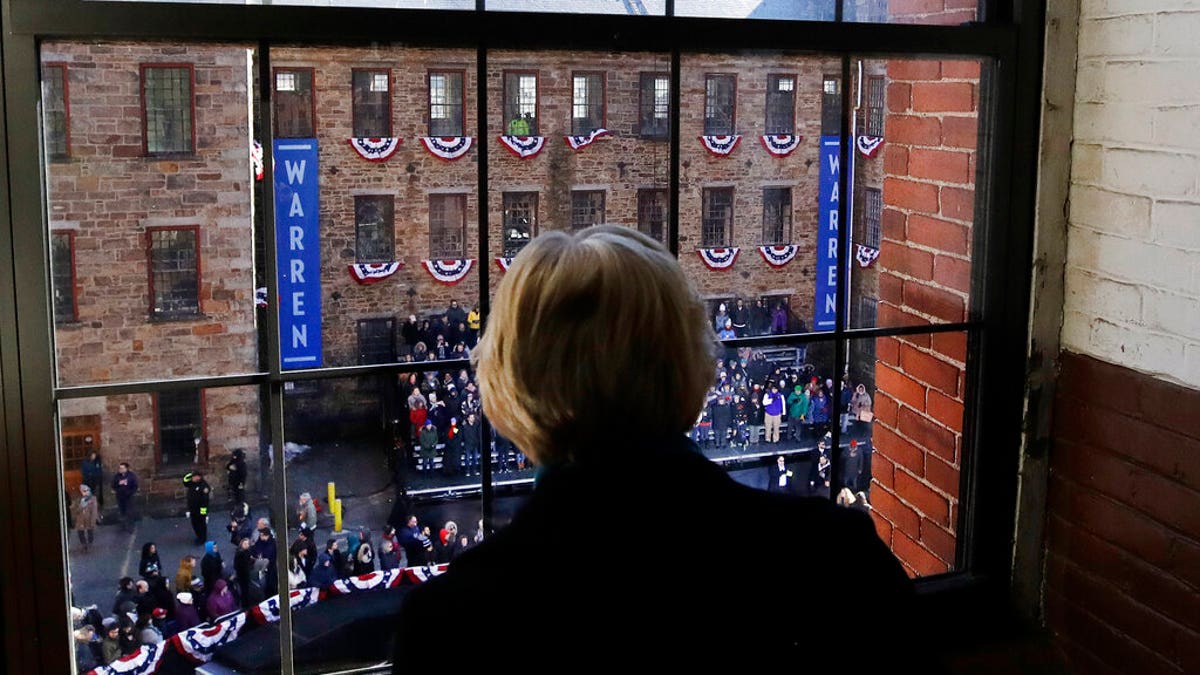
x,y
1123,543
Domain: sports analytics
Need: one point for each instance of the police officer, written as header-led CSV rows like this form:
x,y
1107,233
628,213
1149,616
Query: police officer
x,y
197,504
235,474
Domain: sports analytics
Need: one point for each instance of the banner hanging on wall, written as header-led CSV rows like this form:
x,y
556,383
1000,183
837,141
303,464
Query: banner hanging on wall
x,y
448,148
578,142
375,149
450,271
523,147
781,145
369,273
824,308
719,145
297,206
778,256
719,258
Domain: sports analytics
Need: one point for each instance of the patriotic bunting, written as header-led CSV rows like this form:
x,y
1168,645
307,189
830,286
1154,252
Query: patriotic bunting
x,y
720,145
370,273
504,263
778,256
256,159
718,258
448,148
578,142
418,575
869,145
865,255
141,662
523,146
781,145
375,149
448,272
199,643
260,296
367,582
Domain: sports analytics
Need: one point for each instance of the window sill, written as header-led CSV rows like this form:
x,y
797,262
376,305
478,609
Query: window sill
x,y
177,318
156,157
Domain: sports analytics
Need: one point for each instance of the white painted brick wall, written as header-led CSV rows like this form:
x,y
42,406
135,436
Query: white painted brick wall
x,y
1133,263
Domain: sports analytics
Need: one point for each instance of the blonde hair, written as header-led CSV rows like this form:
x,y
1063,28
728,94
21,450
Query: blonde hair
x,y
593,333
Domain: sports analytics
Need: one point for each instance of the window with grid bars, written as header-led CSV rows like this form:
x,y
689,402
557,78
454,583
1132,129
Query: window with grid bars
x,y
781,104
520,221
655,106
520,104
54,111
80,436
167,109
587,103
445,103
717,221
719,98
587,208
872,211
447,226
372,103
875,104
180,427
374,228
653,208
376,340
62,273
867,310
293,103
174,271
831,106
777,216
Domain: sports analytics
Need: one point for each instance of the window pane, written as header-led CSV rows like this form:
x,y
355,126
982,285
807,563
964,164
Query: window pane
x,y
781,104
717,228
293,103
374,228
62,276
445,104
521,103
587,208
720,101
520,221
777,216
639,8
653,213
587,103
655,105
54,111
809,10
447,225
372,104
174,272
167,109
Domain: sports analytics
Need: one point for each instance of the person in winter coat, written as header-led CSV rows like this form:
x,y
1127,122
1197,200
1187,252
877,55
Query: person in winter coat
x,y
110,647
85,658
150,563
305,541
235,476
211,565
720,319
125,485
92,472
428,441
306,513
364,556
325,572
86,514
471,442
239,525
186,615
263,551
198,496
220,600
126,593
389,556
149,628
418,410
243,568
797,405
740,315
818,412
773,413
860,403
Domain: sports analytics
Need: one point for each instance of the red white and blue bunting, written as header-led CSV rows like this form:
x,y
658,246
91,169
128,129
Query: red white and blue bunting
x,y
260,296
199,643
141,662
448,272
578,142
869,145
417,575
778,256
448,148
367,582
523,146
375,149
781,145
865,255
256,159
267,611
370,273
718,258
720,145
504,263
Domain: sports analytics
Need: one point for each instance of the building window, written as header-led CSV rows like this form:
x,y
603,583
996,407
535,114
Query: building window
x,y
720,93
831,106
62,273
587,208
374,229
781,104
521,104
174,254
872,211
777,216
447,226
875,104
717,226
293,103
867,308
520,221
654,111
55,113
587,103
446,103
180,418
653,208
376,341
372,103
168,109
80,437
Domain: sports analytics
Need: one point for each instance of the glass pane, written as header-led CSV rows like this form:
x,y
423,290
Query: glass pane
x,y
378,255
933,12
154,258
809,10
149,478
393,4
938,12
630,7
914,164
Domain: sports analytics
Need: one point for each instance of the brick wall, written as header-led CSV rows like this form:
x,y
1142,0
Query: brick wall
x,y
941,12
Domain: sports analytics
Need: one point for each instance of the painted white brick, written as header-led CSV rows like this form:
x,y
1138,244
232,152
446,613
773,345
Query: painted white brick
x,y
1136,348
1150,81
1191,361
1150,172
1111,212
1176,224
1178,126
1123,122
1172,313
1121,301
1177,34
1119,36
1111,7
1089,81
1131,260
1087,163
1076,331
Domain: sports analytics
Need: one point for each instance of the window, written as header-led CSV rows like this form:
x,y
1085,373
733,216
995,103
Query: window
x,y
655,105
446,103
831,106
447,226
168,109
55,117
180,423
62,272
372,103
719,97
520,221
781,104
80,436
867,308
376,341
293,103
777,216
587,103
653,208
872,210
174,271
587,208
717,227
374,228
875,105
521,103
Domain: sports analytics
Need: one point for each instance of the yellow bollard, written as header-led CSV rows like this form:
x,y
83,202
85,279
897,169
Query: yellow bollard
x,y
330,488
337,514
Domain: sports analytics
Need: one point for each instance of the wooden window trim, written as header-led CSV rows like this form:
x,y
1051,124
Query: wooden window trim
x,y
462,72
391,128
154,316
312,78
191,68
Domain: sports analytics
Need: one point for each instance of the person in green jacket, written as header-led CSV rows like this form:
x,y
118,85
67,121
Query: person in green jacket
x,y
797,403
518,126
428,441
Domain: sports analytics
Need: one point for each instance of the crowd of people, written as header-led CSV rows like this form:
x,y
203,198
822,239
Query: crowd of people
x,y
449,335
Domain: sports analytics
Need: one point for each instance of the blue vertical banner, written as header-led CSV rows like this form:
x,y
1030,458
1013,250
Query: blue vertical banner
x,y
825,305
297,205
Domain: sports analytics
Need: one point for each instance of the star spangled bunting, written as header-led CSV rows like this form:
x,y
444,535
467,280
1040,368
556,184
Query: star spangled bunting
x,y
370,273
448,148
267,611
418,575
256,159
198,644
367,582
450,271
869,145
142,662
375,149
720,145
718,258
504,263
260,296
578,142
781,145
865,255
523,147
778,256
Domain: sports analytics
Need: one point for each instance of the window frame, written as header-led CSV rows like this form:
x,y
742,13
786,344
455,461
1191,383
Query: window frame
x,y
355,105
875,114
191,149
312,99
174,316
462,99
872,216
652,76
602,121
713,77
437,253
706,196
390,326
786,216
64,67
646,194
70,235
589,194
504,219
774,78
389,226
536,130
169,470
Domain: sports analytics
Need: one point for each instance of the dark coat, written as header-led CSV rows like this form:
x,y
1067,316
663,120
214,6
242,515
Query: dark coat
x,y
578,603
